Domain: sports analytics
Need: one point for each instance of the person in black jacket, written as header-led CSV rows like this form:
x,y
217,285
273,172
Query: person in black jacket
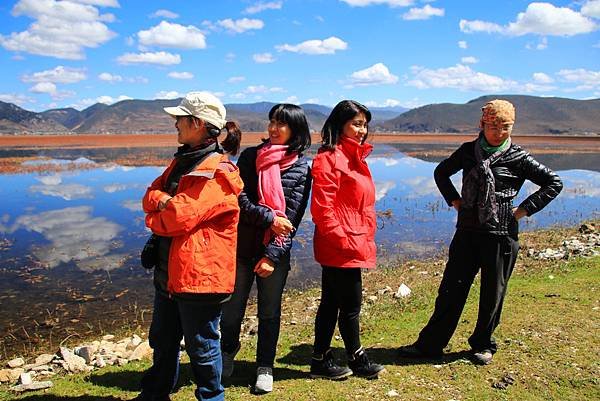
x,y
276,190
494,170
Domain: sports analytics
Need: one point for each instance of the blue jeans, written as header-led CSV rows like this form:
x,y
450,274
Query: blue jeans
x,y
199,324
270,290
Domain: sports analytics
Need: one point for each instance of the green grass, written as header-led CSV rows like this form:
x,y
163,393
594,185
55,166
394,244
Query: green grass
x,y
548,342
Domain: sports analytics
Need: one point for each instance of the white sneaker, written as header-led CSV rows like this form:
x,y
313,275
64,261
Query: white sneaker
x,y
264,380
227,359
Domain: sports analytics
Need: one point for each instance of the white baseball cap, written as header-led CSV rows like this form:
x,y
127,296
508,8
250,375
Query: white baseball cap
x,y
203,105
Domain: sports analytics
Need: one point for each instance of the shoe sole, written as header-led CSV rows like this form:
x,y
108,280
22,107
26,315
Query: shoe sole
x,y
373,376
334,378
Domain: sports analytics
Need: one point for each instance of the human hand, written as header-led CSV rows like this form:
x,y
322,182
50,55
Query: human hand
x,y
281,226
264,268
519,213
162,203
456,203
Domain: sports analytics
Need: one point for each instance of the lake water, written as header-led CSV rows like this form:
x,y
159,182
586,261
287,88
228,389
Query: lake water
x,y
70,241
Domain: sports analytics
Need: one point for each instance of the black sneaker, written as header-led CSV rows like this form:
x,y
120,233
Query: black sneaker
x,y
361,366
325,368
483,357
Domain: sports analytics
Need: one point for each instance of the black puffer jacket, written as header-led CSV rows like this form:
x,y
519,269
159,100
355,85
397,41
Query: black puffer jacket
x,y
510,172
255,219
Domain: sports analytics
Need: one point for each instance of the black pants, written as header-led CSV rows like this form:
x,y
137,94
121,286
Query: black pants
x,y
470,251
341,297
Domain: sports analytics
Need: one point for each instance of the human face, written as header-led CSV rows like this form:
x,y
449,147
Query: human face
x,y
188,132
356,128
279,132
497,133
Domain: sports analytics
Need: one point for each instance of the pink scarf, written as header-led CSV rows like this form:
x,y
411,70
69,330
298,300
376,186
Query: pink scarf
x,y
271,160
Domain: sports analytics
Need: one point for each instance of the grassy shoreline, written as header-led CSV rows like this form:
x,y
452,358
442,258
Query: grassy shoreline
x,y
548,340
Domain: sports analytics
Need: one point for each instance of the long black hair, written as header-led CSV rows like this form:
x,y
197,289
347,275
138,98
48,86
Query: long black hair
x,y
295,118
334,125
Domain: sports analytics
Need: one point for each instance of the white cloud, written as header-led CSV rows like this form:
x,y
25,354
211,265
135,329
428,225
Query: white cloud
x,y
164,14
538,19
312,100
101,3
290,99
43,87
253,89
240,25
60,74
536,87
15,98
167,34
377,74
423,13
543,44
460,77
462,44
585,79
168,95
261,6
53,31
391,3
110,100
479,26
234,80
230,57
316,46
263,58
542,78
161,58
469,60
105,76
591,9
181,75
382,188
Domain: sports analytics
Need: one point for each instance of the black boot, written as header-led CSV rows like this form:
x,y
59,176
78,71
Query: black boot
x,y
325,368
361,366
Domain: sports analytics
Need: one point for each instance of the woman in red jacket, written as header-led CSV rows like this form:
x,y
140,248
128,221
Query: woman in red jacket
x,y
343,210
193,207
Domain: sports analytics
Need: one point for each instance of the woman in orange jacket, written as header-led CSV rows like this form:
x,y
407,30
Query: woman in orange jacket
x,y
193,208
343,210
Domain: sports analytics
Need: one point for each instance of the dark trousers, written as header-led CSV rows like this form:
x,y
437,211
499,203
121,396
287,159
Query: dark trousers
x,y
470,251
341,298
270,291
199,325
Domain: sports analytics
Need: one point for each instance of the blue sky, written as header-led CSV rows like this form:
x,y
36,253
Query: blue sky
x,y
74,53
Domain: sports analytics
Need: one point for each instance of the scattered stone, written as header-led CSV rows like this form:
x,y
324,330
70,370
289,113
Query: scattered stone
x,y
587,228
43,359
25,378
504,382
10,375
385,290
392,393
72,362
108,337
32,387
372,298
15,363
99,362
403,291
142,350
86,352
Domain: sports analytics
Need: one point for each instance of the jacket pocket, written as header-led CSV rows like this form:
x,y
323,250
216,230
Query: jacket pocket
x,y
357,237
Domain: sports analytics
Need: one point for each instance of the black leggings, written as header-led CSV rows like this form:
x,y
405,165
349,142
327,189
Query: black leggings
x,y
341,297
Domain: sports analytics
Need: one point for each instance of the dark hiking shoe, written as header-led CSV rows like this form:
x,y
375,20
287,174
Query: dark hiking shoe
x,y
483,357
362,367
325,368
414,352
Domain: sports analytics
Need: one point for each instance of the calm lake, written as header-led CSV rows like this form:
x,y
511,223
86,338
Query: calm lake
x,y
70,241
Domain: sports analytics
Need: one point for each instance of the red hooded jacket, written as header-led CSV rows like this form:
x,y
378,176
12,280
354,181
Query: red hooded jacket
x,y
343,206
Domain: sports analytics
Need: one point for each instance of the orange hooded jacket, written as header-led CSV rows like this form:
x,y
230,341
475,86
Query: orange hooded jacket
x,y
202,219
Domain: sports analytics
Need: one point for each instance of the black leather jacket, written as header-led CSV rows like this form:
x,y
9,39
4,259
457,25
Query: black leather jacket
x,y
510,172
255,219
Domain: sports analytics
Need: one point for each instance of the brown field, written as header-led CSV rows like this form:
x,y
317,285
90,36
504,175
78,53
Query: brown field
x,y
582,143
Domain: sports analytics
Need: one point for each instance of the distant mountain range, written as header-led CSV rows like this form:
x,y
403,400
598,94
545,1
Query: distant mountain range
x,y
535,115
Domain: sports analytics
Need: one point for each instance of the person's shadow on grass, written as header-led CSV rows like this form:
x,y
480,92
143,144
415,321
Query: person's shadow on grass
x,y
49,397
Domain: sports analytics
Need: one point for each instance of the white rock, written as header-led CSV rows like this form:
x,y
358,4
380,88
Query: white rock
x,y
392,393
25,378
143,350
372,298
99,362
403,291
44,359
86,352
72,362
108,337
15,363
32,387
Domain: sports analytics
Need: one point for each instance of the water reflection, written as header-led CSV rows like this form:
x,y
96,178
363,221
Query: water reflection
x,y
55,226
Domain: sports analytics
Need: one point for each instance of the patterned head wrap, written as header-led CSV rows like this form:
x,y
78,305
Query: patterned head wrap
x,y
497,112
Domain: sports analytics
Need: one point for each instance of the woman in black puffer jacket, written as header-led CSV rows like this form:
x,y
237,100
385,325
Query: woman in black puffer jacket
x,y
486,238
272,204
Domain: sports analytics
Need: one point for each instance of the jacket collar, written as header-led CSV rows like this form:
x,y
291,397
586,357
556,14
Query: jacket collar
x,y
355,150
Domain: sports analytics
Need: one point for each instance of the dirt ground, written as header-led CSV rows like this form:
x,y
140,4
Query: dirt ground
x,y
578,143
